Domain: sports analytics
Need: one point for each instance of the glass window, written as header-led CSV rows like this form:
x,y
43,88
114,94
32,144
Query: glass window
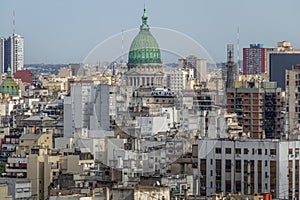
x,y
228,151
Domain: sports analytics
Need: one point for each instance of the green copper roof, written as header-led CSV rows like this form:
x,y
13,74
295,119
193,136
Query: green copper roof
x,y
9,86
144,48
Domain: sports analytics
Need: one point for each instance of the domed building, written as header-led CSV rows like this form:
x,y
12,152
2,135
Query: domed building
x,y
9,86
144,61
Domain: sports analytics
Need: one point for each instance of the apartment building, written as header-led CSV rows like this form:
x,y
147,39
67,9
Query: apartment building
x,y
293,98
249,167
258,106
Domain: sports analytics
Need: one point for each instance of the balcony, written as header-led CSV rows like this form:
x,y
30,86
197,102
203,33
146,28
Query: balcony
x,y
15,170
18,160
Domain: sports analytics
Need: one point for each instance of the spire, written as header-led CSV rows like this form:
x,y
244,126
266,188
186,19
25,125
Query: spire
x,y
14,22
8,71
144,25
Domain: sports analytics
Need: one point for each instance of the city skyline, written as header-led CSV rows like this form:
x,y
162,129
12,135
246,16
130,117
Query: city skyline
x,y
64,32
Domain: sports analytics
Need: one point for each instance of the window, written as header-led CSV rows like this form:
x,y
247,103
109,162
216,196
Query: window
x,y
238,151
218,150
238,165
273,152
228,164
228,187
259,151
290,151
228,151
218,164
266,151
266,175
19,190
246,151
266,163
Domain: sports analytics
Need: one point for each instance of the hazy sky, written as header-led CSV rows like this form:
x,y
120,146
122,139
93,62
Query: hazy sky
x,y
64,31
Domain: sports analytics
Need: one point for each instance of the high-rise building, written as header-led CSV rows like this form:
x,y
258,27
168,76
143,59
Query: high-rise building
x,y
293,98
14,53
88,107
254,59
199,67
280,59
2,54
176,80
258,106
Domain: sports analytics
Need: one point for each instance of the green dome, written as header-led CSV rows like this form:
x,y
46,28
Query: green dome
x,y
144,48
9,86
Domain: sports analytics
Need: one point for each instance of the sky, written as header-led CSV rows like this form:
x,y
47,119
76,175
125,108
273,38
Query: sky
x,y
65,31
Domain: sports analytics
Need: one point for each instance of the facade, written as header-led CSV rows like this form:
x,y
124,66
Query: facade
x,y
140,192
199,66
88,107
152,125
258,106
144,62
176,80
4,192
16,167
254,59
2,54
14,53
280,59
293,98
8,145
19,189
249,167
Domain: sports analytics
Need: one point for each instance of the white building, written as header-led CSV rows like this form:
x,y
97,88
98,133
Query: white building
x,y
88,107
14,53
18,188
249,167
199,66
176,80
152,125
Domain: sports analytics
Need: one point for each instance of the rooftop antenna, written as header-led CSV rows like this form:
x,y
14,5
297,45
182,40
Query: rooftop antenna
x,y
122,47
238,46
14,23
